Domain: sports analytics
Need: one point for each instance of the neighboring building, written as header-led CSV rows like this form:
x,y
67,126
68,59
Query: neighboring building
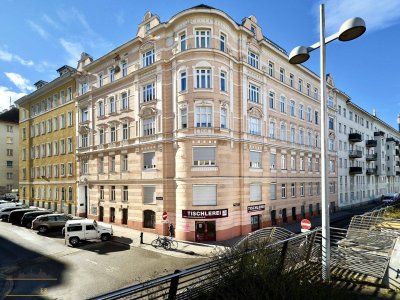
x,y
368,154
9,152
47,144
202,118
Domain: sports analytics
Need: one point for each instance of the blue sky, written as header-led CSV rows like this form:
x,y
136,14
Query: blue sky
x,y
38,37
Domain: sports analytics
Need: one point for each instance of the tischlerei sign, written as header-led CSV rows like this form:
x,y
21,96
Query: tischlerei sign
x,y
205,214
258,207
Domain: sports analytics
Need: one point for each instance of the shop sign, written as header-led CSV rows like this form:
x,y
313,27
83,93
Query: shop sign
x,y
258,207
205,214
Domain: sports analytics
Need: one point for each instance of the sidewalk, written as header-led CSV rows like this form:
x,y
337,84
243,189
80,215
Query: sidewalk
x,y
186,249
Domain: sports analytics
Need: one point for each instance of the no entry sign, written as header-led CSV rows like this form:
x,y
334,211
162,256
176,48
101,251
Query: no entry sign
x,y
305,224
165,215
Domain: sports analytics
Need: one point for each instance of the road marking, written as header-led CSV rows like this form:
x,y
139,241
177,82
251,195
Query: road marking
x,y
93,262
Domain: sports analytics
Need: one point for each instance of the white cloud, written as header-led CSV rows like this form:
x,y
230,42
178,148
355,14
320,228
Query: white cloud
x,y
6,94
74,51
20,82
39,29
7,56
50,21
377,14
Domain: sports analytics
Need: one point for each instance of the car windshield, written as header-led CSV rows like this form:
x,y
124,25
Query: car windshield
x,y
94,223
388,197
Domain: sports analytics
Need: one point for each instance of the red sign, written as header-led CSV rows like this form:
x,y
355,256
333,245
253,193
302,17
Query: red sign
x,y
305,224
165,215
204,214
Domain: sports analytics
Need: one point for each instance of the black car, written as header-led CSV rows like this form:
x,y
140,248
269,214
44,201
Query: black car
x,y
28,217
16,215
5,212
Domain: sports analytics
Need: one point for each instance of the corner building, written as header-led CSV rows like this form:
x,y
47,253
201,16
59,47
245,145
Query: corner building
x,y
203,118
47,174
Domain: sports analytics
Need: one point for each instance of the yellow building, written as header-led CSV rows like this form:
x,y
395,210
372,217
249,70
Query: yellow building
x,y
47,176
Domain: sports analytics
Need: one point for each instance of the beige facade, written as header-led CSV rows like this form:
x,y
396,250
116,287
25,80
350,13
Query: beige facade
x,y
47,144
202,118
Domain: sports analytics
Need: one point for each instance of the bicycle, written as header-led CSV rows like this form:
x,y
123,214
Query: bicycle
x,y
174,244
161,242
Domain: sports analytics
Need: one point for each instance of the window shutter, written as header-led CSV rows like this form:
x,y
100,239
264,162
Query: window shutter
x,y
255,192
204,153
204,195
148,194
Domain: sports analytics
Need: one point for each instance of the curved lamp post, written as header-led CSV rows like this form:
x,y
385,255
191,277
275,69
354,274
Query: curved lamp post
x,y
350,30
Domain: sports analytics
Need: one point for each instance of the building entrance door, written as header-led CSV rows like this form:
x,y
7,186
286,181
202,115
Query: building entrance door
x,y
101,213
255,222
124,216
273,217
205,231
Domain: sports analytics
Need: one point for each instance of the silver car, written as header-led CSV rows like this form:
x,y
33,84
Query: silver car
x,y
49,222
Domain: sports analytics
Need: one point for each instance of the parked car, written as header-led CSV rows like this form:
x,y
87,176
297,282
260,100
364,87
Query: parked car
x,y
390,197
50,222
86,229
5,212
16,215
4,203
28,217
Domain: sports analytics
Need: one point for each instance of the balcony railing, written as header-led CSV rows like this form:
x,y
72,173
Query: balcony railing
x,y
397,173
355,153
388,140
371,143
371,171
379,133
355,170
355,137
371,157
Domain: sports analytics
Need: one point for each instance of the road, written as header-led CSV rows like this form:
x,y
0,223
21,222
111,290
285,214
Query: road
x,y
33,264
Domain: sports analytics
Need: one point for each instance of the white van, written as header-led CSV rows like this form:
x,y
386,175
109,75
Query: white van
x,y
86,229
10,204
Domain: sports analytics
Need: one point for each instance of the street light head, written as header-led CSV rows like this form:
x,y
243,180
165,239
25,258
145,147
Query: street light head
x,y
299,55
351,29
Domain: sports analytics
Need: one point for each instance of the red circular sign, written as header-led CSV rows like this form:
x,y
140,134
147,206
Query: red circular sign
x,y
165,215
305,224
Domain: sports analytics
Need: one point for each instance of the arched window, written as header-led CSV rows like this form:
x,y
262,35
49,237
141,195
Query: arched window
x,y
149,219
70,194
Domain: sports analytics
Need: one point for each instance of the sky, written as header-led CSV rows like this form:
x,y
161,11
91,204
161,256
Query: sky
x,y
38,37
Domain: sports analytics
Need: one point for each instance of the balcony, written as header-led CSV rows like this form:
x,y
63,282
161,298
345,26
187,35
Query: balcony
x,y
371,171
397,152
398,163
371,143
355,170
397,173
355,153
355,137
388,140
379,133
371,156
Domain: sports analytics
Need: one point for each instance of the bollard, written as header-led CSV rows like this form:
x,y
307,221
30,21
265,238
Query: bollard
x,y
141,238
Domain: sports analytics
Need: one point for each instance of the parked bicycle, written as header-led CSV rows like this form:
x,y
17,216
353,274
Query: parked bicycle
x,y
165,242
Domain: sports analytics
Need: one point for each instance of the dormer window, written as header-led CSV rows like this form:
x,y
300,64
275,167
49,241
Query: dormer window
x,y
148,58
147,28
253,29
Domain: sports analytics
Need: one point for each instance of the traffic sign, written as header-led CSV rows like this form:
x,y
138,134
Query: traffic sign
x,y
165,215
305,224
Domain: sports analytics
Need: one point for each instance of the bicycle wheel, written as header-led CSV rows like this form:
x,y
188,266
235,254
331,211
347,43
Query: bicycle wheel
x,y
166,244
174,244
156,243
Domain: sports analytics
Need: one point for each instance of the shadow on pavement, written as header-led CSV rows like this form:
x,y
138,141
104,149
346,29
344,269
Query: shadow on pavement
x,y
102,248
122,240
26,273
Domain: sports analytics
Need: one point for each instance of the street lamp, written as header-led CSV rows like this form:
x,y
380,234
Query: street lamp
x,y
349,30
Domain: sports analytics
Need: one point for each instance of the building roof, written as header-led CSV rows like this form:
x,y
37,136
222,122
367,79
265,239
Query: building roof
x,y
11,115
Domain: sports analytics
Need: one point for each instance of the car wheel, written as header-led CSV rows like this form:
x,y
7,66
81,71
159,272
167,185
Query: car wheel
x,y
105,237
29,225
42,229
74,241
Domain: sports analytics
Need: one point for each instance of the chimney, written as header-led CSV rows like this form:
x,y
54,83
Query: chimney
x,y
374,112
40,84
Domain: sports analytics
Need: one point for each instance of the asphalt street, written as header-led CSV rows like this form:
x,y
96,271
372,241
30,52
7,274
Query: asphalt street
x,y
43,267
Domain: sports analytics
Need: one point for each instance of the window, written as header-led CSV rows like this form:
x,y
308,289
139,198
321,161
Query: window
x,y
100,80
149,160
113,135
84,89
125,132
183,81
62,170
204,195
148,58
23,153
331,145
84,142
10,152
254,125
204,156
85,167
112,74
203,116
253,29
125,193
183,112
300,85
222,81
271,69
124,101
147,28
301,111
69,119
282,74
113,193
301,189
101,165
309,163
331,123
254,93
112,164
149,193
271,100
125,162
222,40
309,139
203,38
70,169
292,135
203,78
283,162
149,126
283,104
293,190
62,122
255,159
308,89
301,136
69,94
84,115
332,166
182,39
283,132
292,108
253,59
271,129
301,163
293,162
272,191
309,116
316,164
272,161
101,136
101,192
24,133
149,92
223,117
283,190
112,105
255,192
62,147
124,66
315,93
149,219
316,117
55,148
291,80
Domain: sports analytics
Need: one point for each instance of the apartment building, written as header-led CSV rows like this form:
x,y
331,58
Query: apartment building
x,y
203,118
368,154
47,144
9,153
